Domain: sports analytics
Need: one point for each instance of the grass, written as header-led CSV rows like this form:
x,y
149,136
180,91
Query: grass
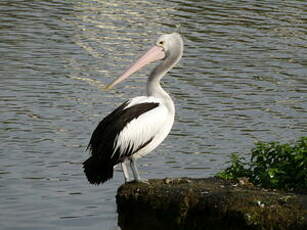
x,y
272,165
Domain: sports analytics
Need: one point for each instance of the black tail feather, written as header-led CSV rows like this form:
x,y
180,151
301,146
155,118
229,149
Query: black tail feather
x,y
96,171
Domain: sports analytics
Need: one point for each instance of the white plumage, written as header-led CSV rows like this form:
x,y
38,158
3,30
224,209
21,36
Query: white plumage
x,y
154,124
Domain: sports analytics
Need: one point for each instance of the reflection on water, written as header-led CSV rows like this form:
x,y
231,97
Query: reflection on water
x,y
242,79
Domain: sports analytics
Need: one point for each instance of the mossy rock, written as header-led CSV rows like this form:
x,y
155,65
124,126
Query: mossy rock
x,y
212,203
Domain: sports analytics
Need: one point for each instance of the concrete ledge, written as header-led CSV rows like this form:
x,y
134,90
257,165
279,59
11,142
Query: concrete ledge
x,y
211,203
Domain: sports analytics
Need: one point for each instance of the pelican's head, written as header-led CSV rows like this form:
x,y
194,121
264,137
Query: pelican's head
x,y
172,45
168,47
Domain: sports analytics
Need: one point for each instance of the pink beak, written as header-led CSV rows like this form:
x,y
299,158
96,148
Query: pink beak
x,y
154,54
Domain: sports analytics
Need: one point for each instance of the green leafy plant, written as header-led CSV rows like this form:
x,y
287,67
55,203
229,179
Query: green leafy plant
x,y
272,165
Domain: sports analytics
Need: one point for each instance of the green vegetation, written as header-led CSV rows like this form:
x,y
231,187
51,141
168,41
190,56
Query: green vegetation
x,y
272,165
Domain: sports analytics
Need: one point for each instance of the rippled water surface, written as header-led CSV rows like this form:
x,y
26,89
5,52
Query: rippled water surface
x,y
242,79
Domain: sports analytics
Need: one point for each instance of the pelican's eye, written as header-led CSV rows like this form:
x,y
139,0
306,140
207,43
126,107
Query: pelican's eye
x,y
161,43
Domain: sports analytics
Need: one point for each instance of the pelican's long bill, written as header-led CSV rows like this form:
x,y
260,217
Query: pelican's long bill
x,y
154,54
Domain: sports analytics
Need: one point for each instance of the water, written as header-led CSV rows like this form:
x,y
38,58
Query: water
x,y
242,79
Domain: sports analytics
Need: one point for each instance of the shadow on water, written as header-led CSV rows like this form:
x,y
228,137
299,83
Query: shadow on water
x,y
242,79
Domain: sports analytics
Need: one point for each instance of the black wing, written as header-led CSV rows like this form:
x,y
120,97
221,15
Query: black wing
x,y
99,167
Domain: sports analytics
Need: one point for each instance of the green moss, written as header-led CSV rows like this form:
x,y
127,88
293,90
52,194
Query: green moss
x,y
272,165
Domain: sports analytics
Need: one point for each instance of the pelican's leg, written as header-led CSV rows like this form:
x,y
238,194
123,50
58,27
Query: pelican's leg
x,y
135,172
125,171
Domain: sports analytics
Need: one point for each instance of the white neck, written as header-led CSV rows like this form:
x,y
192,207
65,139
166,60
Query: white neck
x,y
153,86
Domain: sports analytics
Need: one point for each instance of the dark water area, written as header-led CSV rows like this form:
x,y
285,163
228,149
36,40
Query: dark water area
x,y
242,79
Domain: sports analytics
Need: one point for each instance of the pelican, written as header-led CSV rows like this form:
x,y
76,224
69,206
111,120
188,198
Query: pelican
x,y
140,124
